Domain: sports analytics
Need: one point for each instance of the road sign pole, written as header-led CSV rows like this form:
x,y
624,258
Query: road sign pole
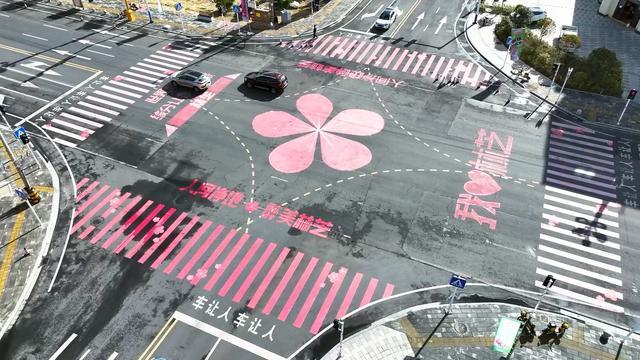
x,y
341,338
623,110
455,292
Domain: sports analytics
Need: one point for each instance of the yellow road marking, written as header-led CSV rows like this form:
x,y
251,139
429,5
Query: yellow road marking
x,y
404,19
42,188
10,249
48,58
158,339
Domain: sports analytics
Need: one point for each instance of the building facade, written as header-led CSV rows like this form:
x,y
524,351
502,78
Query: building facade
x,y
627,11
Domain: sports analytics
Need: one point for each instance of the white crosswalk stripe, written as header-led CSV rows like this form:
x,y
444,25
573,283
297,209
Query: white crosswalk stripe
x,y
169,59
106,102
128,86
579,234
89,114
163,63
99,108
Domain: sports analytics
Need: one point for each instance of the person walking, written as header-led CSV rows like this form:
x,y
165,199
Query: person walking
x,y
315,31
26,252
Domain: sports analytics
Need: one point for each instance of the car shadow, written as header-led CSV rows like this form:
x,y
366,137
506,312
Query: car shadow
x,y
180,92
258,94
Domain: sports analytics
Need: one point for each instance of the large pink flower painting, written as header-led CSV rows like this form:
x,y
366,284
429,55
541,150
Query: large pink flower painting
x,y
338,152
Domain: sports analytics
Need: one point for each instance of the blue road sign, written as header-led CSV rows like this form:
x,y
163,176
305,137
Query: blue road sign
x,y
457,281
236,8
22,194
178,6
509,40
19,131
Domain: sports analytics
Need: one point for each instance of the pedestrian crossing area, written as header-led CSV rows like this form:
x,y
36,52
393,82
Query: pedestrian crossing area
x,y
383,56
579,234
113,96
295,287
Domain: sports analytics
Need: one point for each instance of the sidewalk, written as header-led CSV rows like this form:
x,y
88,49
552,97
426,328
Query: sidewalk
x,y
20,229
591,107
468,332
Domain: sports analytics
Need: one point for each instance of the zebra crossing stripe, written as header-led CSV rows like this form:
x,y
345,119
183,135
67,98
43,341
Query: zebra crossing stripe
x,y
580,271
581,259
575,246
128,86
583,284
577,225
586,299
71,126
580,196
106,102
63,132
570,139
89,114
163,70
357,51
400,60
99,108
577,214
81,119
554,142
578,205
145,77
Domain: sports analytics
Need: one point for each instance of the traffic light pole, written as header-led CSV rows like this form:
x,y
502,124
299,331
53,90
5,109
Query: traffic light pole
x,y
34,197
623,110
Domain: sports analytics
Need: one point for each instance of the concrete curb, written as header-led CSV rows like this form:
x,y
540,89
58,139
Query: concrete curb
x,y
34,273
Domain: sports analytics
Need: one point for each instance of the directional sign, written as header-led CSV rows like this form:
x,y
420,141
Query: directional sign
x,y
364,16
178,6
40,66
420,17
235,8
19,131
442,22
457,281
22,194
68,53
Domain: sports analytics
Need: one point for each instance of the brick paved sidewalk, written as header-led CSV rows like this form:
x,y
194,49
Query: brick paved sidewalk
x,y
20,229
468,332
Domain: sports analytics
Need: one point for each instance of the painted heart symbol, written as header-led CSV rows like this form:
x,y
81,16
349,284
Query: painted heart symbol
x,y
481,184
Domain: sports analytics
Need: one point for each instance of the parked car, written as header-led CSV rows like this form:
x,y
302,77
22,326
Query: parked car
x,y
387,18
270,80
191,79
537,14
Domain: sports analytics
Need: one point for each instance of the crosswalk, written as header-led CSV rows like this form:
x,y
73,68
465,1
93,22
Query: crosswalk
x,y
293,286
114,96
579,235
381,55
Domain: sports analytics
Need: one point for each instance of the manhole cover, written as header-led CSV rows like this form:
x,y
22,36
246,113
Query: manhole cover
x,y
460,328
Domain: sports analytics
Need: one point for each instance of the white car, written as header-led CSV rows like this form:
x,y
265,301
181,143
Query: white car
x,y
387,18
537,14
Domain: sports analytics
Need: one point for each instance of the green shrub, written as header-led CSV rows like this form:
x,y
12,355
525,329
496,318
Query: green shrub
x,y
224,3
283,4
546,26
503,29
570,41
521,16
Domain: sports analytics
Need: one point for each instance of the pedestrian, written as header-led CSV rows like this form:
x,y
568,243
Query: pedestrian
x,y
315,31
26,252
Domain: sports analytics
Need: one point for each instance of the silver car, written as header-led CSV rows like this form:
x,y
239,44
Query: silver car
x,y
191,79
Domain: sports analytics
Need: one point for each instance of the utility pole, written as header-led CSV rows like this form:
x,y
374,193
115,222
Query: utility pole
x,y
556,68
631,96
475,21
563,84
34,197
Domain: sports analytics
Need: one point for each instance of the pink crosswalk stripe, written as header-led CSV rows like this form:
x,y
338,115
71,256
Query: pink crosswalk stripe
x,y
151,232
138,228
373,55
86,191
194,239
313,294
412,56
89,215
81,183
364,53
203,271
254,272
90,200
293,297
391,57
267,279
356,51
421,58
467,74
345,50
322,44
436,69
382,56
388,291
200,252
175,242
400,60
348,298
225,263
126,224
447,70
326,305
340,47
368,294
282,284
116,219
240,268
336,42
158,241
460,68
114,204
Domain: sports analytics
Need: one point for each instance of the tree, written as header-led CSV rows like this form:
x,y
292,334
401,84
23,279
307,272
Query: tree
x,y
605,72
284,4
503,29
546,26
521,16
569,42
223,4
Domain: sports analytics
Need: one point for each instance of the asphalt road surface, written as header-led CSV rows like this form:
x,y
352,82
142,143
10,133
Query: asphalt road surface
x,y
236,223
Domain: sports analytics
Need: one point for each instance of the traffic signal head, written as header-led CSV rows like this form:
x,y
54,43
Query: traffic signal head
x,y
548,281
24,138
632,94
555,66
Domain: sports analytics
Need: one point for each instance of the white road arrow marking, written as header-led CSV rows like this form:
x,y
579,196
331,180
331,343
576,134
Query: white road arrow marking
x,y
442,22
87,42
29,84
420,17
425,28
67,53
364,16
37,65
105,32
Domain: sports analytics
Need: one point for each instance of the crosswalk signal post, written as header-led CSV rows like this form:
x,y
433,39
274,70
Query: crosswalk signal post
x,y
631,96
547,283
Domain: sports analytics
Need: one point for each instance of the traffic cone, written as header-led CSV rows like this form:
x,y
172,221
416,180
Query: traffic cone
x,y
34,196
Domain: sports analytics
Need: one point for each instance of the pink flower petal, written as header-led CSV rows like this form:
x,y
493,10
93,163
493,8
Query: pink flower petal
x,y
343,154
279,123
355,122
295,155
315,107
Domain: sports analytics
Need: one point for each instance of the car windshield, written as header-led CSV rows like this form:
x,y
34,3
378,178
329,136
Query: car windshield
x,y
386,15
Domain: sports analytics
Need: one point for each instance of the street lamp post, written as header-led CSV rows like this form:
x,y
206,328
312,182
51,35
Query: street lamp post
x,y
563,84
34,197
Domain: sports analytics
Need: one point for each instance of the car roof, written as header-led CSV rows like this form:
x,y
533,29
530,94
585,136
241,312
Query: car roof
x,y
269,73
536,8
389,8
192,73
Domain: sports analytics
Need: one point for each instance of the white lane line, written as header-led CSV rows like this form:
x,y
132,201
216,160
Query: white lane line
x,y
63,132
64,346
112,356
212,349
581,259
85,354
71,126
54,27
582,284
35,37
4,15
99,53
578,270
64,142
23,94
136,88
81,120
90,114
123,92
105,32
112,96
277,178
106,102
99,108
39,77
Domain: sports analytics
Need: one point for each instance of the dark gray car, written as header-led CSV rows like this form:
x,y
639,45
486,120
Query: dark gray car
x,y
191,79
